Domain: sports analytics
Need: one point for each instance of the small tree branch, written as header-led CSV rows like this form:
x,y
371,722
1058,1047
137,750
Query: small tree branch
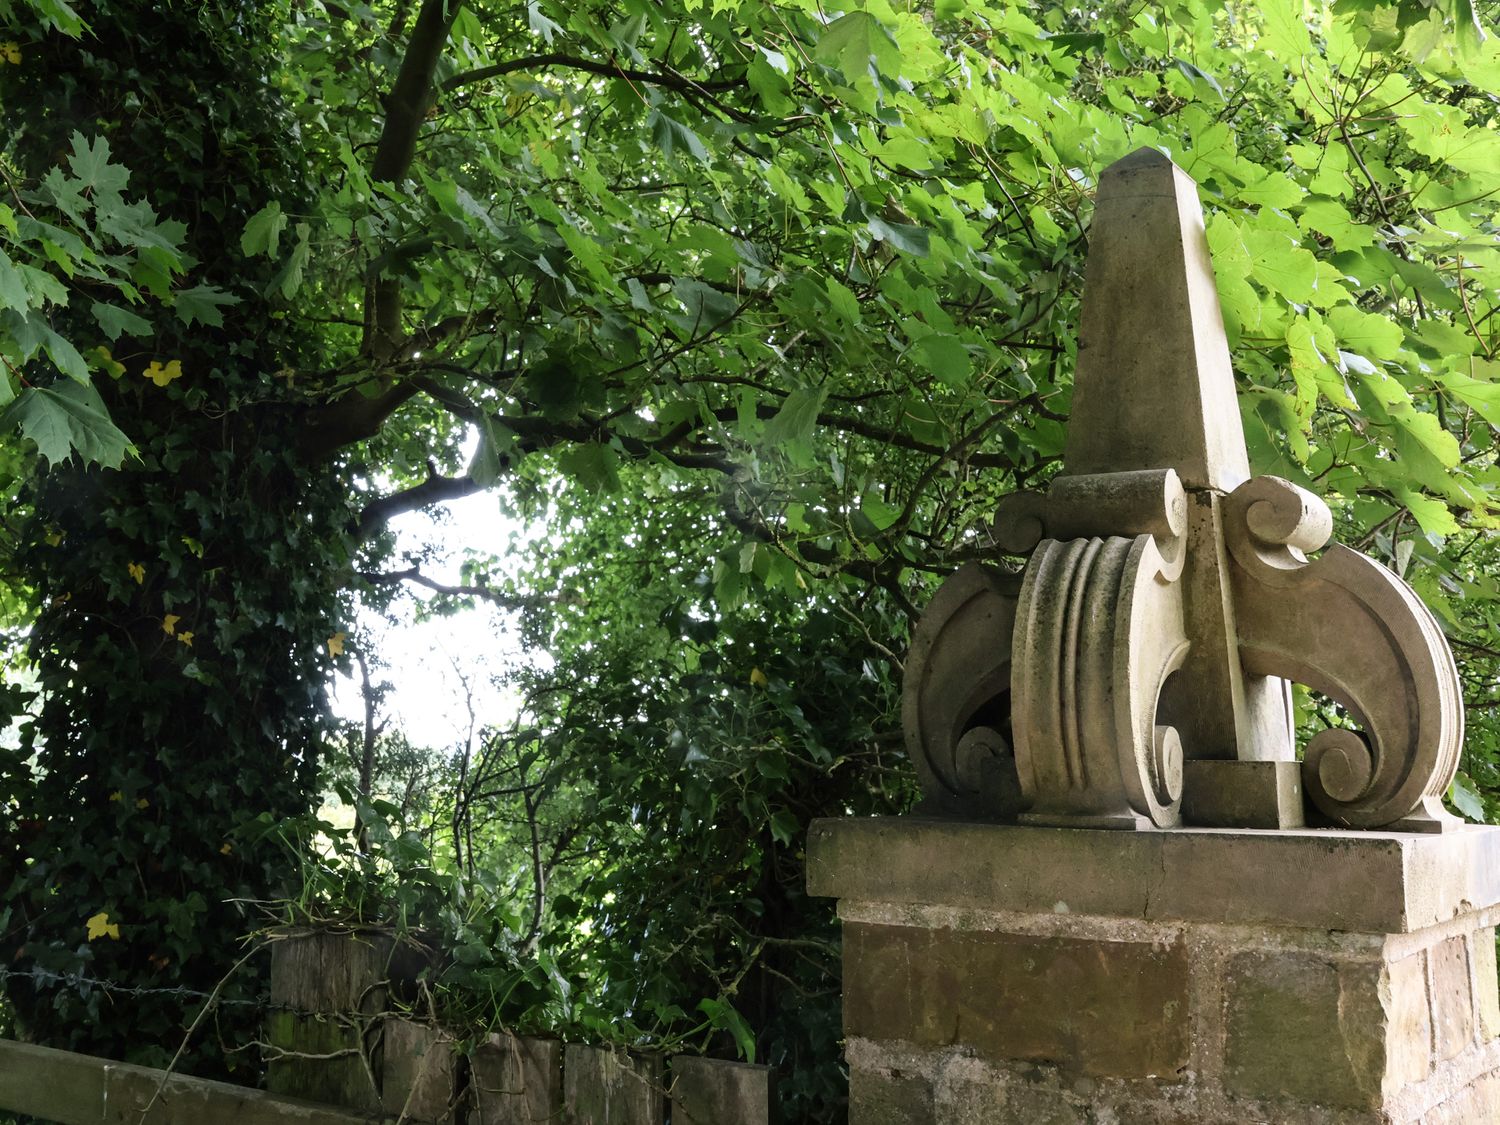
x,y
666,78
417,578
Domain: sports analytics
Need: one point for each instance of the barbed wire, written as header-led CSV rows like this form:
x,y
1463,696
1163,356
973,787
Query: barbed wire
x,y
83,983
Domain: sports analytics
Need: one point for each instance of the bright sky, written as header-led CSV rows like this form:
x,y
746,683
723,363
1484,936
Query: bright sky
x,y
429,662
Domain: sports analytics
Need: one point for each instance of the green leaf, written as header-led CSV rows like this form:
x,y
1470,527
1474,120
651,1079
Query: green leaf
x,y
856,41
90,165
593,466
539,23
722,1015
289,278
58,14
116,321
1465,797
68,418
13,294
202,303
785,825
946,357
1481,396
262,234
793,424
903,236
672,136
1429,432
1366,333
66,358
1281,265
1432,515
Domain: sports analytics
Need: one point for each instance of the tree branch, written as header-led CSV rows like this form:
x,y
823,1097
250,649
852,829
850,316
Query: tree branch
x,y
415,576
667,78
433,490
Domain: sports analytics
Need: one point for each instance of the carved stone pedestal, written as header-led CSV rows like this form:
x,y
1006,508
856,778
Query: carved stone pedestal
x,y
1044,976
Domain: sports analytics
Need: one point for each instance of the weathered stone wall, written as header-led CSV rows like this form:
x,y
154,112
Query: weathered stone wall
x,y
1079,1012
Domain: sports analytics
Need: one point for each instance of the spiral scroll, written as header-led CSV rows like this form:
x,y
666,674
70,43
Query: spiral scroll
x,y
1099,629
1349,628
955,699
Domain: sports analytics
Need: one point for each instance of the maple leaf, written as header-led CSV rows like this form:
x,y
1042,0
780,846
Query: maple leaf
x,y
117,796
138,572
100,926
169,624
160,375
186,637
336,645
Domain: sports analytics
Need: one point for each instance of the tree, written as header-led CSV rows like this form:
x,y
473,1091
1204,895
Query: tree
x,y
804,278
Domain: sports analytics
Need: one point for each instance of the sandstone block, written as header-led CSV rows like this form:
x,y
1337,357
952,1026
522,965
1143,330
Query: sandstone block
x,y
889,1097
1299,1026
1409,1037
1108,1008
1486,985
1452,998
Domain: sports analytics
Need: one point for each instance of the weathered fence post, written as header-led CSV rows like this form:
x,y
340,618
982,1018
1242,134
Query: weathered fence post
x,y
606,1087
714,1091
420,1076
1145,930
516,1081
328,993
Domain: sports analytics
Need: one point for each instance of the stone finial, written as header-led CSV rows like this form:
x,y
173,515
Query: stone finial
x,y
1135,677
1154,388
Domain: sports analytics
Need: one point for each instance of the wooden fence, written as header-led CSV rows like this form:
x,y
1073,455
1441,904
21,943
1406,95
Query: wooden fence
x,y
339,1039
341,1052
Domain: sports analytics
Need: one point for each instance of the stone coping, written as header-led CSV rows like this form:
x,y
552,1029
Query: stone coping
x,y
1374,882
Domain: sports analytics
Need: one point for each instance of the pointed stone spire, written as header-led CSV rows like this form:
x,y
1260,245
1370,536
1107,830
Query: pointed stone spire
x,y
1154,388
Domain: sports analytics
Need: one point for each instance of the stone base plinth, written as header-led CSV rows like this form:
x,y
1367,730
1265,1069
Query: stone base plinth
x,y
1043,976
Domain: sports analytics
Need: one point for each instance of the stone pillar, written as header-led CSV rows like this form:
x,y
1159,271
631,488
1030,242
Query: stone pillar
x,y
1044,976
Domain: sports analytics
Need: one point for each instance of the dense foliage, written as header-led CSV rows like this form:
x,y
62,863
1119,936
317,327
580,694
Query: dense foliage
x,y
757,308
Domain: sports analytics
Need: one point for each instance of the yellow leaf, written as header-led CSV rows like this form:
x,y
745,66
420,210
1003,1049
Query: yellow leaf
x,y
100,926
11,53
160,375
138,572
336,645
117,796
169,624
186,637
54,537
143,804
226,849
758,678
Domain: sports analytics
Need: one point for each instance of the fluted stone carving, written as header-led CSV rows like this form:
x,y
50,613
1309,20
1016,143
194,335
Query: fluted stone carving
x,y
1141,667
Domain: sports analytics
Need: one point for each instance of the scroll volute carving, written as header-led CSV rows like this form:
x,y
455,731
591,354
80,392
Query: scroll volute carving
x,y
956,697
1349,628
1044,700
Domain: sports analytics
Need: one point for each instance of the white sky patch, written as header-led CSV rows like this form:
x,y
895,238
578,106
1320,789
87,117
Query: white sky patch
x,y
440,668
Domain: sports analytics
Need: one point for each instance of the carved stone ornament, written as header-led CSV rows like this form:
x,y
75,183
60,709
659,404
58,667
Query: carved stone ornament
x,y
1136,674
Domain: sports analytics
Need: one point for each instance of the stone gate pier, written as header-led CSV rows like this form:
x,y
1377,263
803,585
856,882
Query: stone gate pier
x,y
1130,896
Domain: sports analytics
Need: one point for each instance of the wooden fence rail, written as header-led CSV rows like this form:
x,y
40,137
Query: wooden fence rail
x,y
76,1089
